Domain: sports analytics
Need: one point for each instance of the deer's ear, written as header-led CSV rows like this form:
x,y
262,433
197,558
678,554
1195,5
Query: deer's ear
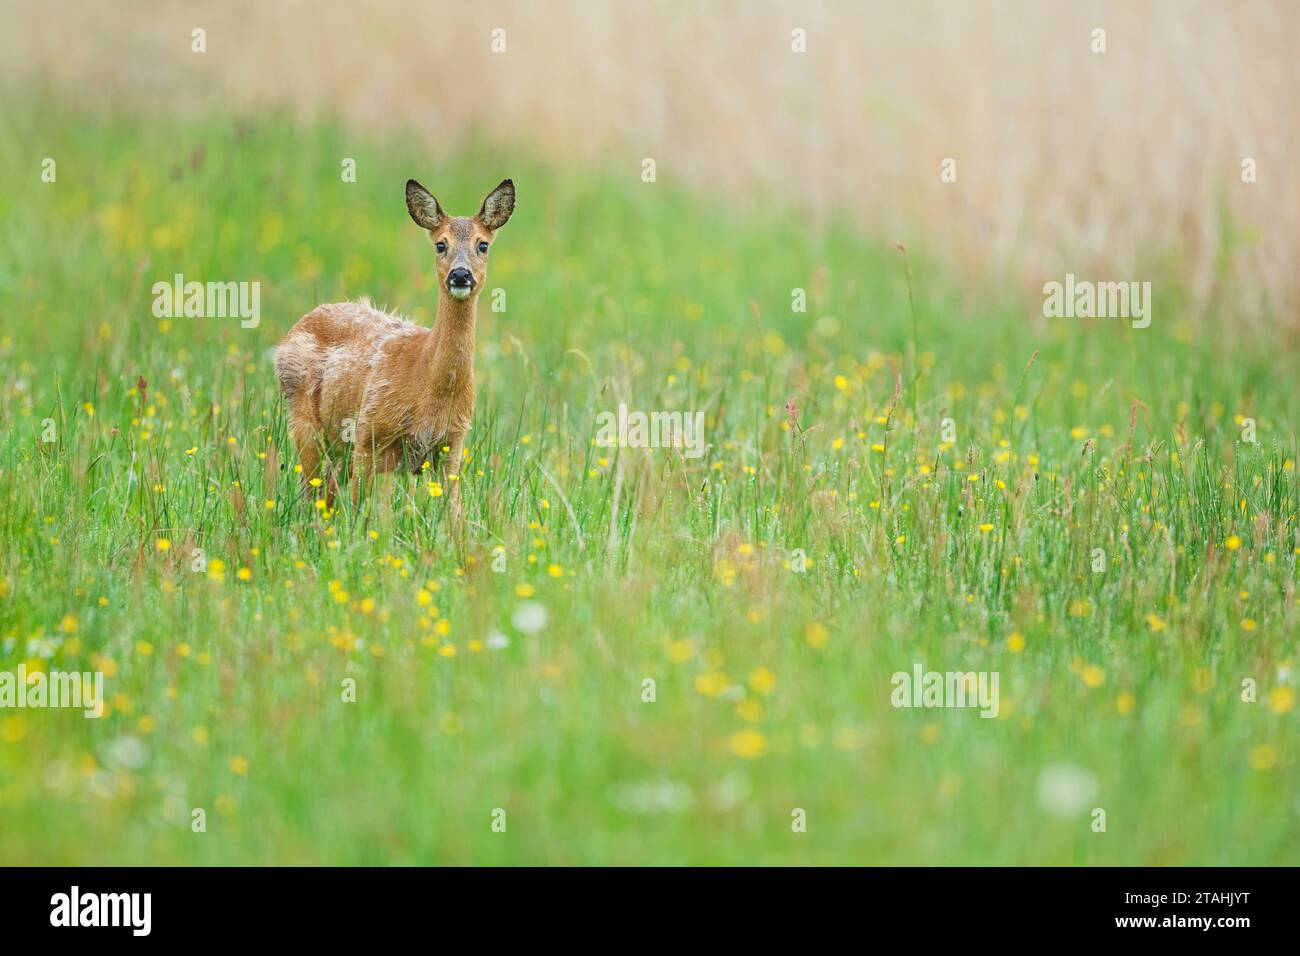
x,y
498,206
424,209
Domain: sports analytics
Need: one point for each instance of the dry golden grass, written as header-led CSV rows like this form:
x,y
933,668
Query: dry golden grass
x,y
1068,160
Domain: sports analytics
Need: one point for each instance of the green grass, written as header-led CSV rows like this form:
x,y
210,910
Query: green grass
x,y
225,693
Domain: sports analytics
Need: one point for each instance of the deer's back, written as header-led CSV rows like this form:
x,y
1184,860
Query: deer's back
x,y
348,359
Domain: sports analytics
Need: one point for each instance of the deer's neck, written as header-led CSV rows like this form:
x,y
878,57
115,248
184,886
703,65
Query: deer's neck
x,y
451,344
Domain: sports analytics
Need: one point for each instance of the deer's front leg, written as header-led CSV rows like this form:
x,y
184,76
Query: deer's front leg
x,y
363,467
449,467
368,459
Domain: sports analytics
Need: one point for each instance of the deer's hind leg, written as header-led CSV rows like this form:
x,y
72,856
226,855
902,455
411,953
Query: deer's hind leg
x,y
307,441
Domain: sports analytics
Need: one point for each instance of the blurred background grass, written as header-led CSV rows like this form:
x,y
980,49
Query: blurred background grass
x,y
225,691
1114,164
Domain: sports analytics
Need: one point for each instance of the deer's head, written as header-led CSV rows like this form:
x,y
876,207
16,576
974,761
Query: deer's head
x,y
462,242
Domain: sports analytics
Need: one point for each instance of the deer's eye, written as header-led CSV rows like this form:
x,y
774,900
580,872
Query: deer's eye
x,y
482,248
440,246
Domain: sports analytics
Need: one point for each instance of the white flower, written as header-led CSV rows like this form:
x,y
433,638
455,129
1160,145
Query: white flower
x,y
1065,789
496,641
42,647
652,796
530,617
128,751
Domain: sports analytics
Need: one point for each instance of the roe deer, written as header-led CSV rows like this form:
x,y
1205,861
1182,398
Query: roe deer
x,y
404,392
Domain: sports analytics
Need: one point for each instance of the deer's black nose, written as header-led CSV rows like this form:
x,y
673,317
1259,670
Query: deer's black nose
x,y
460,279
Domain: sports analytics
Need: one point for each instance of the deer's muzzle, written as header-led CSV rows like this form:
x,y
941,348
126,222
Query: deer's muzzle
x,y
460,282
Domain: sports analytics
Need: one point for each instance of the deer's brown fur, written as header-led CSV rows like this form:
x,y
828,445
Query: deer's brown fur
x,y
405,392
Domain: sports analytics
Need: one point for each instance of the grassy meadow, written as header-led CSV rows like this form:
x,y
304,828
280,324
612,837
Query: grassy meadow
x,y
506,670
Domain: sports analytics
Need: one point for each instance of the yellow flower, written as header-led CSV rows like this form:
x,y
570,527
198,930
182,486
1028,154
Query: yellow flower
x,y
105,664
13,729
525,590
750,744
986,527
1281,699
1125,703
244,574
1233,542
679,652
1016,642
1155,623
144,648
749,709
435,490
69,624
239,765
711,683
163,544
1093,676
762,681
1263,757
555,571
815,634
